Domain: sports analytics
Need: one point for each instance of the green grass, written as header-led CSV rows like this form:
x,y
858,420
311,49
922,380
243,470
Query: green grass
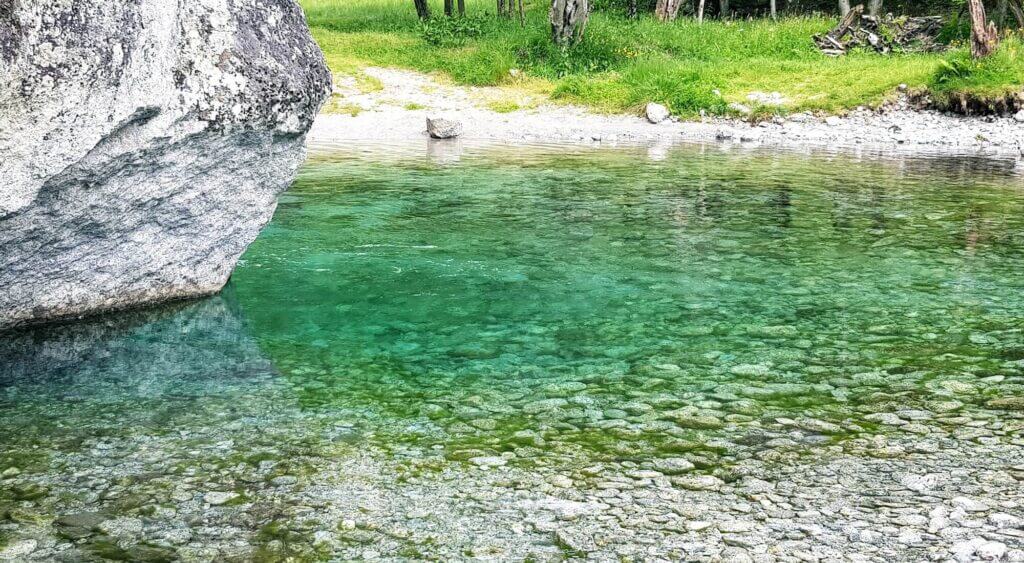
x,y
504,106
623,64
989,84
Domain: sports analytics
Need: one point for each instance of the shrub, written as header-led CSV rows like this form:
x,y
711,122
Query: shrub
x,y
451,32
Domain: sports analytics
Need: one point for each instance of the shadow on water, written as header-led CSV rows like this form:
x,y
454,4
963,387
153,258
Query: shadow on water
x,y
171,351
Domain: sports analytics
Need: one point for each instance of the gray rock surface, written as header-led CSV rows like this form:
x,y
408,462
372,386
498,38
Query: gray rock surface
x,y
143,145
443,128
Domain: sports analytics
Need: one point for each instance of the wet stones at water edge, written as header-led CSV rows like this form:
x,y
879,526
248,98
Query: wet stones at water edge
x,y
443,127
143,145
656,113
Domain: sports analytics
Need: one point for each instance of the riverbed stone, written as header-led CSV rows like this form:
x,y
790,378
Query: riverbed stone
x,y
79,524
488,461
217,498
140,160
698,482
970,505
120,527
1007,403
18,549
672,465
991,551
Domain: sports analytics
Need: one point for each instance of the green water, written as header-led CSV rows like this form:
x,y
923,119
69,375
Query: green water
x,y
564,305
618,304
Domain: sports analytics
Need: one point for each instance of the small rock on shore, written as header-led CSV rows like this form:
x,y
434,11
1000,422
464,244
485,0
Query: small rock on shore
x,y
443,128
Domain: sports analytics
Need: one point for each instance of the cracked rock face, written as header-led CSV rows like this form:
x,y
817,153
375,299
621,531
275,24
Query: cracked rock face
x,y
143,144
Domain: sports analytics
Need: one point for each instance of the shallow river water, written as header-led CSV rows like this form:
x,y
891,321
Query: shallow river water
x,y
554,352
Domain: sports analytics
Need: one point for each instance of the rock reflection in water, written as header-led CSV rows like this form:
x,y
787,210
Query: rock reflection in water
x,y
181,349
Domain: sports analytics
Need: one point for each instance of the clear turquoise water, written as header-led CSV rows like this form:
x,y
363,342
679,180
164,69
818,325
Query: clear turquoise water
x,y
618,304
560,303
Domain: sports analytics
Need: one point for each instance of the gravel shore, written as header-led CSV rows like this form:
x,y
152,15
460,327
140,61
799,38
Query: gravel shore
x,y
399,111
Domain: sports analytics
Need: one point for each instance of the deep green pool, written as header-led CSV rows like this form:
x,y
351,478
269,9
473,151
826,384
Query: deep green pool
x,y
559,303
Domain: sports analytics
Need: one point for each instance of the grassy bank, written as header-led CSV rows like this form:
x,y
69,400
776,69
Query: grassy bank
x,y
624,64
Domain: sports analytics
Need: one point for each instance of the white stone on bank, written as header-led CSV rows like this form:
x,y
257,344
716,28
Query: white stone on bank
x,y
656,113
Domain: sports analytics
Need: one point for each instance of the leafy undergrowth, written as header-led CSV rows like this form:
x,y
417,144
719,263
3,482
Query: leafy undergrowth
x,y
623,64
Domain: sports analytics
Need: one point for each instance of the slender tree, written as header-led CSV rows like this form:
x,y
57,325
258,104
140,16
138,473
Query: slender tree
x,y
874,7
462,7
772,7
723,7
422,9
700,12
568,21
449,7
844,7
1018,12
667,10
631,11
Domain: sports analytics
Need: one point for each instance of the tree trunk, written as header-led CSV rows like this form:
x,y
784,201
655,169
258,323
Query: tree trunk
x,y
700,12
631,9
449,7
667,10
874,7
844,7
723,7
1018,12
984,36
522,14
772,5
462,7
568,21
422,9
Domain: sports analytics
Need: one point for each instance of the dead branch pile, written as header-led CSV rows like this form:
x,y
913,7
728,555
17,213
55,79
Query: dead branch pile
x,y
883,34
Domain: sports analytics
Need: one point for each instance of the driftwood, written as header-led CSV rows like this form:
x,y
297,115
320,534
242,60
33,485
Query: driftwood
x,y
881,34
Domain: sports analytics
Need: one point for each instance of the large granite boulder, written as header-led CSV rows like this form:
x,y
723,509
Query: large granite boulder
x,y
143,144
